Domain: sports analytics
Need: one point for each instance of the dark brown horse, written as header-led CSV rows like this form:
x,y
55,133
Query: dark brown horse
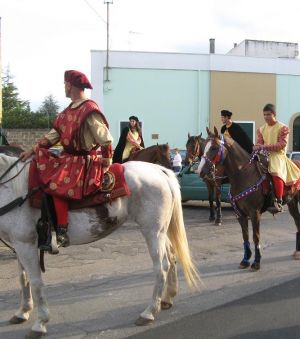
x,y
156,154
246,192
194,150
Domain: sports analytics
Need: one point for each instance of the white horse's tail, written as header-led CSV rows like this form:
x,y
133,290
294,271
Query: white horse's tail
x,y
178,238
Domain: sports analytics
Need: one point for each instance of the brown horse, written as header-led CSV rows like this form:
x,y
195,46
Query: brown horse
x,y
156,154
194,150
246,192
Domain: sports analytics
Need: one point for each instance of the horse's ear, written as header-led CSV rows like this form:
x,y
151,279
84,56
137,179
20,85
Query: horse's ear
x,y
157,144
189,135
200,135
208,131
216,131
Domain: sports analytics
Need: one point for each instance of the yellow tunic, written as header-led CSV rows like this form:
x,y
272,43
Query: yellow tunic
x,y
279,164
129,146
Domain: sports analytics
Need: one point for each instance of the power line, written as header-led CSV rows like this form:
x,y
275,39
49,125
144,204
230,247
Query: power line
x,y
95,11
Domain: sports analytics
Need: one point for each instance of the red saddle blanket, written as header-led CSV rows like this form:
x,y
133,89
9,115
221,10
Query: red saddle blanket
x,y
119,189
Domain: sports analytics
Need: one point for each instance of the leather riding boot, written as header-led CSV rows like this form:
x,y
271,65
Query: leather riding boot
x,y
62,236
276,207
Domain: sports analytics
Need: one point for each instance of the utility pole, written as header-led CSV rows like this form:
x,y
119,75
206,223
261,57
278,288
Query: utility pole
x,y
107,2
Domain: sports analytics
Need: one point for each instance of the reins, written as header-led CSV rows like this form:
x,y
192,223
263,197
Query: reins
x,y
9,169
18,201
7,245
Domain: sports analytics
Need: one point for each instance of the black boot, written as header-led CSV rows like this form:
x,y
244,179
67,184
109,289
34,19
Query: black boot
x,y
276,207
62,236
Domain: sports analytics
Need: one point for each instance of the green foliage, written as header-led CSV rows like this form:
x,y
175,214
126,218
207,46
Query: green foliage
x,y
14,110
49,109
16,113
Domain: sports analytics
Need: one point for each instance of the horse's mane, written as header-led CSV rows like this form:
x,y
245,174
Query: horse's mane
x,y
11,150
237,148
19,183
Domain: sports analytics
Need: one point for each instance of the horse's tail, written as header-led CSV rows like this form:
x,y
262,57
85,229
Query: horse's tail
x,y
177,235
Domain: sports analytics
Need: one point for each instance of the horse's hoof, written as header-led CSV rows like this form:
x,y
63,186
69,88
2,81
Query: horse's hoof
x,y
211,218
255,266
218,222
244,264
16,320
34,335
143,321
165,306
297,255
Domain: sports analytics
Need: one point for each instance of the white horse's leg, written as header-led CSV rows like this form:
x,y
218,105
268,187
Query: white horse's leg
x,y
26,298
171,288
161,265
28,256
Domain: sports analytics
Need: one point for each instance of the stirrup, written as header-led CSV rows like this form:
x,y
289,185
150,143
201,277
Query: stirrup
x,y
277,207
62,237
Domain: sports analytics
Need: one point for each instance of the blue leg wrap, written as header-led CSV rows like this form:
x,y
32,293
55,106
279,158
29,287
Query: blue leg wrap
x,y
247,252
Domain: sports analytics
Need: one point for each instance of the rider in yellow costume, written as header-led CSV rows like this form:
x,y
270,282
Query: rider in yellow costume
x,y
273,137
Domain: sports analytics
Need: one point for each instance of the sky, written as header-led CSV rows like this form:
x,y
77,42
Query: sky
x,y
40,39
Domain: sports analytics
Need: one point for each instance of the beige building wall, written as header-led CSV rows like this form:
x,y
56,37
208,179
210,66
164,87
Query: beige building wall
x,y
244,94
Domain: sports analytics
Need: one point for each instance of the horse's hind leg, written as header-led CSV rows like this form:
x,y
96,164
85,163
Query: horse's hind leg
x,y
28,256
171,288
161,265
294,211
26,298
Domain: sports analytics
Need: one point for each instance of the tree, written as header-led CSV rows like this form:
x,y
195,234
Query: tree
x,y
49,109
15,112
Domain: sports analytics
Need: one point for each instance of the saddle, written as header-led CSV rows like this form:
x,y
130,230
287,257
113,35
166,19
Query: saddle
x,y
113,186
267,185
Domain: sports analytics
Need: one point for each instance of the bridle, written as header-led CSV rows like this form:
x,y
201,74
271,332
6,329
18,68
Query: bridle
x,y
196,152
218,159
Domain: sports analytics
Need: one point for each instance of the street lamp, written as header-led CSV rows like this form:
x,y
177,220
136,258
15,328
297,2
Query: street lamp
x,y
107,2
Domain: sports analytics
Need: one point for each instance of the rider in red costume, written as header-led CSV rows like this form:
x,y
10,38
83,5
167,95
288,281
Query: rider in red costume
x,y
78,171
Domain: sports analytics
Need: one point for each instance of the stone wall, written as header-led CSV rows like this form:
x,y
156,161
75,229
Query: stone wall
x,y
24,137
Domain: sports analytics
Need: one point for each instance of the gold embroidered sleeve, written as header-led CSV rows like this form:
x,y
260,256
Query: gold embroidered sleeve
x,y
49,139
98,132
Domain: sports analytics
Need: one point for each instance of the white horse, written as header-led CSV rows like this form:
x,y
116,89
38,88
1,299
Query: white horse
x,y
154,203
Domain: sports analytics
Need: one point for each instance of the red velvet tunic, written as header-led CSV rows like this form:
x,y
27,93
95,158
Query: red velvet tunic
x,y
75,173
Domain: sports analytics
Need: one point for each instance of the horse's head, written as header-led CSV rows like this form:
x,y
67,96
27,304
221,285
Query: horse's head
x,y
163,155
194,148
214,154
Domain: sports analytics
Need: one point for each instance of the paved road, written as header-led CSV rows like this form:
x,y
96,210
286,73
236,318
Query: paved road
x,y
272,313
98,290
